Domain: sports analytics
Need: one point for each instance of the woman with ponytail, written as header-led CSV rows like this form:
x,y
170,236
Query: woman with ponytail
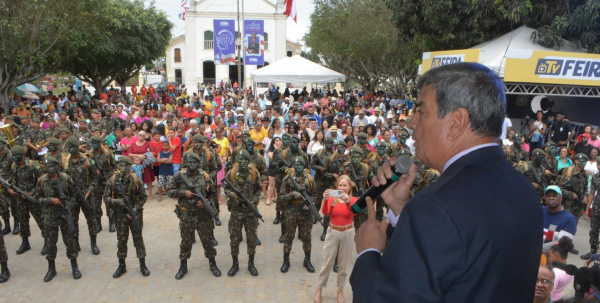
x,y
559,252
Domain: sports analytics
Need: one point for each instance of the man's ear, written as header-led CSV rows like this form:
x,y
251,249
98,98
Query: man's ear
x,y
456,123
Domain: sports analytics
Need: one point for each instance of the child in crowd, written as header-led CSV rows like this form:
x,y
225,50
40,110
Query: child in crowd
x,y
165,169
221,173
137,167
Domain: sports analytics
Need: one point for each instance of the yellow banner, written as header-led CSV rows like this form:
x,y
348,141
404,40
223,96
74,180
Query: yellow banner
x,y
437,59
552,67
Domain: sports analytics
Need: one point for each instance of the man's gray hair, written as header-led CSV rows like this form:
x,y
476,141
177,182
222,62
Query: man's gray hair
x,y
193,121
471,86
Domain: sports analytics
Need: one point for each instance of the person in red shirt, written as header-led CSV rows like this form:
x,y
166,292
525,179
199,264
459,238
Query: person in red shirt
x,y
144,90
134,90
339,242
190,114
151,89
170,88
175,146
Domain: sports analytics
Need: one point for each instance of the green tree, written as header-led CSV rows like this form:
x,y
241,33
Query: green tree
x,y
125,38
37,38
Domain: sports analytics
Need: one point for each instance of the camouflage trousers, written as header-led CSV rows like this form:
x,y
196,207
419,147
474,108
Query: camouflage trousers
x,y
3,254
123,225
278,203
26,208
11,203
187,227
573,207
51,227
237,220
294,217
95,200
595,227
90,217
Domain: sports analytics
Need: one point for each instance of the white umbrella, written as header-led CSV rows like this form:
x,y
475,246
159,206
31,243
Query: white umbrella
x,y
30,95
30,87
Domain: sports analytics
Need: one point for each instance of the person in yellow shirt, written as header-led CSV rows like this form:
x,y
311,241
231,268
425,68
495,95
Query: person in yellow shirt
x,y
208,106
223,141
258,134
170,107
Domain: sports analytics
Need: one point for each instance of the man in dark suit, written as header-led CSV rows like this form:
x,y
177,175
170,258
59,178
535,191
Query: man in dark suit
x,y
474,235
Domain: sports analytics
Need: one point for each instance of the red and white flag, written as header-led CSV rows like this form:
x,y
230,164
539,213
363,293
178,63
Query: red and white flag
x,y
290,9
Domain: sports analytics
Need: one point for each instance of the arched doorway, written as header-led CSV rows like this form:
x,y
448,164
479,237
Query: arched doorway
x,y
208,72
233,72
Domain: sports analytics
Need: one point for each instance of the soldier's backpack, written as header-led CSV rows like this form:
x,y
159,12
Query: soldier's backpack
x,y
234,170
118,174
67,160
28,165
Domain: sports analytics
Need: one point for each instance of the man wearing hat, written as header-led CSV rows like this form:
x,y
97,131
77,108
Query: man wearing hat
x,y
363,145
5,171
47,194
558,221
64,122
247,179
125,181
595,213
320,164
83,134
85,177
359,173
105,165
400,145
191,213
111,122
65,133
297,214
551,172
515,154
97,122
54,130
37,138
55,151
534,170
573,184
24,175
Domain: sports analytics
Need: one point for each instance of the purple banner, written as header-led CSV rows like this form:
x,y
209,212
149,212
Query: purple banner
x,y
254,42
224,42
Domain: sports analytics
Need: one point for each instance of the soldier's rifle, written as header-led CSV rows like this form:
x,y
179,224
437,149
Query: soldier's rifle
x,y
307,200
129,206
537,178
243,198
81,197
280,159
67,212
357,180
194,189
18,190
568,185
100,169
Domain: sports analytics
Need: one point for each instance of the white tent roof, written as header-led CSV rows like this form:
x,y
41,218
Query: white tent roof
x,y
296,69
493,52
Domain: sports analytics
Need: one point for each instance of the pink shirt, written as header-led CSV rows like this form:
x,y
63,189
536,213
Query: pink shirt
x,y
561,281
126,141
595,143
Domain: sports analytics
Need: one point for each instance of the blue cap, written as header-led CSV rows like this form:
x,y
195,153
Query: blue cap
x,y
340,114
553,188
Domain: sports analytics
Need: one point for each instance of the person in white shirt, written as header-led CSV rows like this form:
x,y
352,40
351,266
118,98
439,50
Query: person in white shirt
x,y
360,118
509,140
505,128
592,165
316,143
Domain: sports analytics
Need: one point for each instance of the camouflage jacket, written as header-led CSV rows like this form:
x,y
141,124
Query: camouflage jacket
x,y
110,124
287,189
207,165
515,154
99,125
571,182
247,184
176,190
133,187
83,136
365,150
534,175
103,160
5,164
595,185
374,162
319,167
26,176
45,190
82,171
59,156
67,124
362,176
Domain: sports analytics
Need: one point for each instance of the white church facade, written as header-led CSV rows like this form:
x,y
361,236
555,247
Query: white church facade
x,y
190,57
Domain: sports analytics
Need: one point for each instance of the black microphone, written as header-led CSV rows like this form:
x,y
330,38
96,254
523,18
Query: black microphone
x,y
400,168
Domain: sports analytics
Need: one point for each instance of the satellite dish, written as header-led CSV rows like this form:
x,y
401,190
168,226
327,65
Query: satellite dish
x,y
541,103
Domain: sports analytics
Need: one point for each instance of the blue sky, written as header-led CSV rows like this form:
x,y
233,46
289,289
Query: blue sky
x,y
294,31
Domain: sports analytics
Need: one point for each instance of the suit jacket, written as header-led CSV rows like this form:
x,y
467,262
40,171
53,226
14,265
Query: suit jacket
x,y
472,236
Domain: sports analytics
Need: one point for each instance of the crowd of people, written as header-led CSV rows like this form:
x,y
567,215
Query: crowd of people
x,y
288,147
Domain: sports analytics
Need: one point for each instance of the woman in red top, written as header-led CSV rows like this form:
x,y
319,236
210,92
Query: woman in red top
x,y
140,148
339,241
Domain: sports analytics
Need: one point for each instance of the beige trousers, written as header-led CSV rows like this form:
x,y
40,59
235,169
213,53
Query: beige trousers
x,y
337,244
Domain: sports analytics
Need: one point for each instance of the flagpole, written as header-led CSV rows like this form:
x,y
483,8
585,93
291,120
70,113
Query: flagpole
x,y
245,102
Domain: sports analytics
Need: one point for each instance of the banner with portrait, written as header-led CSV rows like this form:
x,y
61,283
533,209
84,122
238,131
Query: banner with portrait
x,y
224,41
254,42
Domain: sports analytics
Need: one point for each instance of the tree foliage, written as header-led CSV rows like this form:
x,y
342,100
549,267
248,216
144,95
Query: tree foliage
x,y
125,37
37,37
357,38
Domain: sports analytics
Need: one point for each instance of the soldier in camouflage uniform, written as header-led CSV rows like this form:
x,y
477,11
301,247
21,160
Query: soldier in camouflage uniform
x,y
375,161
5,172
24,176
191,213
296,213
64,122
19,136
134,189
236,150
396,148
323,177
97,123
46,192
534,171
5,273
279,175
362,175
65,133
105,165
81,169
111,123
551,163
573,182
247,179
516,153
54,150
593,197
37,138
53,129
83,134
363,145
257,162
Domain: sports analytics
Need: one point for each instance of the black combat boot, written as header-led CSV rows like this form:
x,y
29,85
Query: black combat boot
x,y
6,229
143,268
213,267
95,249
214,241
251,268
76,272
324,233
282,238
257,241
194,238
182,270
111,225
121,269
24,246
234,267
16,229
51,271
44,249
98,224
277,218
217,221
309,267
335,266
589,255
315,221
5,274
77,247
286,263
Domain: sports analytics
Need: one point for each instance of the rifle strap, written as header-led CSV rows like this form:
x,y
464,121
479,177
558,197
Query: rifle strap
x,y
118,175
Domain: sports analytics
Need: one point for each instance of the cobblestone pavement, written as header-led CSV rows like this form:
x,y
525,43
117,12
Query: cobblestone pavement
x,y
161,236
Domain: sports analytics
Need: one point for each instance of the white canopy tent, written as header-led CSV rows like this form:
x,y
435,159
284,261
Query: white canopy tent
x,y
296,69
493,53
